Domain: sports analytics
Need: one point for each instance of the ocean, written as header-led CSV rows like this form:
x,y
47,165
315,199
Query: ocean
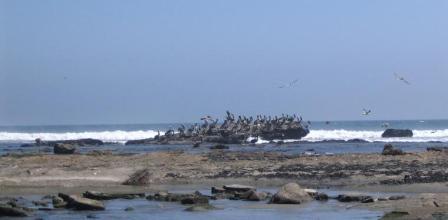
x,y
324,137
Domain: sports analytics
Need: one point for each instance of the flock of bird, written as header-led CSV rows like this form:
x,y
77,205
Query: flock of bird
x,y
365,112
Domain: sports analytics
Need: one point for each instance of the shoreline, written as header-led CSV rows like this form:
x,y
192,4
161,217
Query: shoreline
x,y
353,173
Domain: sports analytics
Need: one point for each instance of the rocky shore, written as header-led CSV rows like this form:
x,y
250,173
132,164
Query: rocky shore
x,y
55,173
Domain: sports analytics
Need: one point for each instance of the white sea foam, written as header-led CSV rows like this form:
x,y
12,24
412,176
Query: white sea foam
x,y
108,136
313,136
419,136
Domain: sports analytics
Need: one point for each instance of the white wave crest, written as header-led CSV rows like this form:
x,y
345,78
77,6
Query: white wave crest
x,y
419,136
108,136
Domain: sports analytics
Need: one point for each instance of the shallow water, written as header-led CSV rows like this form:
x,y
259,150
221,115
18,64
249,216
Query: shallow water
x,y
227,209
320,148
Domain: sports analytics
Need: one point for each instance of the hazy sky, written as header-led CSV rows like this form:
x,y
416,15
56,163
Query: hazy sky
x,y
90,61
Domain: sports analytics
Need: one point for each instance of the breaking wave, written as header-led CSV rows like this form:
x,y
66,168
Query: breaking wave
x,y
341,134
108,136
313,136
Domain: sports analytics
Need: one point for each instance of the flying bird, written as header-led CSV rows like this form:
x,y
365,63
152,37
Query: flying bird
x,y
366,112
290,84
401,78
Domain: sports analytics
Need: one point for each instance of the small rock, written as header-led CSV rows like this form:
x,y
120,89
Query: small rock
x,y
237,188
391,150
216,190
219,147
200,208
194,200
129,209
63,149
396,197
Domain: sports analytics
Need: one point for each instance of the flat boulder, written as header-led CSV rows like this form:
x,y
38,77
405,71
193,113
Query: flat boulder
x,y
81,203
63,149
354,198
109,196
388,133
391,150
237,188
291,193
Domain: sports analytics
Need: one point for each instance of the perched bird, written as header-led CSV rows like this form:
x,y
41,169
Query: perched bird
x,y
366,112
401,78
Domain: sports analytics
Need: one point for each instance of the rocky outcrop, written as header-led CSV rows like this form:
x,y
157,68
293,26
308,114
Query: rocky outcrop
x,y
79,203
291,193
391,150
64,149
388,133
234,130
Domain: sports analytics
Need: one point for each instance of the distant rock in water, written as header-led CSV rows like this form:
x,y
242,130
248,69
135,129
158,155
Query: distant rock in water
x,y
64,149
391,150
397,133
234,130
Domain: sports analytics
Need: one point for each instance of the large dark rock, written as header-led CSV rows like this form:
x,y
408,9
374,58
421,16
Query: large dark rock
x,y
109,196
291,193
397,133
391,150
80,203
64,149
288,133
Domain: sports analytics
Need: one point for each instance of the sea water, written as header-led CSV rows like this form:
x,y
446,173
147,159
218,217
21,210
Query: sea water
x,y
426,133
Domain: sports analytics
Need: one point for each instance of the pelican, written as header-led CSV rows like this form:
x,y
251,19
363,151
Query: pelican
x,y
401,78
366,112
